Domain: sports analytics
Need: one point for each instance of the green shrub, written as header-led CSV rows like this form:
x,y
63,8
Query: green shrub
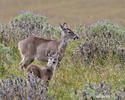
x,y
28,24
115,30
102,42
20,88
5,59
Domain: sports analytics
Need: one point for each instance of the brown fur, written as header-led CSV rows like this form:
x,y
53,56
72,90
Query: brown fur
x,y
36,48
45,73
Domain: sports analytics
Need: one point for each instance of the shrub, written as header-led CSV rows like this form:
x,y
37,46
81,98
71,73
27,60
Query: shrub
x,y
5,59
102,91
28,24
115,30
102,41
4,36
19,88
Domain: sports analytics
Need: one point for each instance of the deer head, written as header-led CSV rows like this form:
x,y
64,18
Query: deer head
x,y
67,33
53,60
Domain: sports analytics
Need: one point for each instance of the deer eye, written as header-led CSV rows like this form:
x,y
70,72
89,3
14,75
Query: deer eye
x,y
55,59
50,58
69,32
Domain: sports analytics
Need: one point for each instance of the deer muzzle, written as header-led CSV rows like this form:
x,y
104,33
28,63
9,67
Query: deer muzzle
x,y
75,37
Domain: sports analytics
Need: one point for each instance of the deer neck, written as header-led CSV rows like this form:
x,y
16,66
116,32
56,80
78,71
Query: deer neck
x,y
62,46
51,67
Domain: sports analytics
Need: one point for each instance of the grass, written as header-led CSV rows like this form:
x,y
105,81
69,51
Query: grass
x,y
76,76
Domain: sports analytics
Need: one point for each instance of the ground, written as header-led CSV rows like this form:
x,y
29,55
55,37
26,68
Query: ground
x,y
73,12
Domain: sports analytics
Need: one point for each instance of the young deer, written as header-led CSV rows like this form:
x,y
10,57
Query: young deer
x,y
45,72
36,48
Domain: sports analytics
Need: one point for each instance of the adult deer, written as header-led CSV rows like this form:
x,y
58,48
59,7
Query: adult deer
x,y
36,48
45,72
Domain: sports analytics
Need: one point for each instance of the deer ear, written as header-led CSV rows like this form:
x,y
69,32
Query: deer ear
x,y
49,55
61,26
65,26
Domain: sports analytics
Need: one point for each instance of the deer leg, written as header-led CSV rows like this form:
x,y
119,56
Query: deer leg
x,y
25,62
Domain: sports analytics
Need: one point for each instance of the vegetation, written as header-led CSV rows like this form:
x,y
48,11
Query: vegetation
x,y
98,55
5,59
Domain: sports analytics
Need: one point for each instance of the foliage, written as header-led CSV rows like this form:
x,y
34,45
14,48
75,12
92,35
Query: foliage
x,y
102,91
31,88
28,24
102,41
101,26
5,59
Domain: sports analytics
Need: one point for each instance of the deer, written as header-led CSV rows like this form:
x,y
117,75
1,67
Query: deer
x,y
45,72
37,48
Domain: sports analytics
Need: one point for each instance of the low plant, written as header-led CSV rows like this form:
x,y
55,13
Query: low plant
x,y
101,42
5,59
19,88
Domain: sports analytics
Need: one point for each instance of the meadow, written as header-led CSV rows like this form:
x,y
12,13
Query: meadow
x,y
74,12
92,69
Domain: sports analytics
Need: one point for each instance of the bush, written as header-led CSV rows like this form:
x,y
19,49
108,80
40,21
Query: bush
x,y
28,24
102,41
5,59
18,88
102,27
102,91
